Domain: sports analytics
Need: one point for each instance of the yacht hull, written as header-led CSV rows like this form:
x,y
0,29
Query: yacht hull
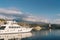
x,y
15,31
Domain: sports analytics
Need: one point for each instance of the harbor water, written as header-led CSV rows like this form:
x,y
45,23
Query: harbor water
x,y
34,35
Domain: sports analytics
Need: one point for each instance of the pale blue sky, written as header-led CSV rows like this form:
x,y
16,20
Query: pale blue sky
x,y
49,9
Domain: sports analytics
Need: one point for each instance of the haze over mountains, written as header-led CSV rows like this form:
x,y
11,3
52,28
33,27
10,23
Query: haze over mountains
x,y
30,22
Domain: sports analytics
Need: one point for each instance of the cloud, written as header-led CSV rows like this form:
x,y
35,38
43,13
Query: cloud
x,y
58,14
35,19
56,21
6,17
9,11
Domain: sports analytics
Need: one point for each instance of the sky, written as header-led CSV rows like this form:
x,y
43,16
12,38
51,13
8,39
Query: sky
x,y
47,11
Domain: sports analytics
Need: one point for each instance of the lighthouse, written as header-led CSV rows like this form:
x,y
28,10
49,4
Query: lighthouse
x,y
49,26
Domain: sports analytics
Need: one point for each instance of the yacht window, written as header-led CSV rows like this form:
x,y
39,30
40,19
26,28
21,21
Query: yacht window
x,y
14,27
2,27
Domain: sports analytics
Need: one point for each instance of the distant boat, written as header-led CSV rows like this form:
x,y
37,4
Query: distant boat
x,y
13,27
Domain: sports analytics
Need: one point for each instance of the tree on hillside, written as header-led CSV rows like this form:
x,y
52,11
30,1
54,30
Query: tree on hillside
x,y
24,24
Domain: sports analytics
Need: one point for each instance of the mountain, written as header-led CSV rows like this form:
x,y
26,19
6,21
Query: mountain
x,y
30,22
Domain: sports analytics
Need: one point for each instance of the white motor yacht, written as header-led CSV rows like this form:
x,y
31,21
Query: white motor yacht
x,y
13,27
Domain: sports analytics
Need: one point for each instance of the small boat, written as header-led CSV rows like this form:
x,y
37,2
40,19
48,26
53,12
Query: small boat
x,y
13,27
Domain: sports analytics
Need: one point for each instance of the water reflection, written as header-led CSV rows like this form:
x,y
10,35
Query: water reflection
x,y
45,35
18,36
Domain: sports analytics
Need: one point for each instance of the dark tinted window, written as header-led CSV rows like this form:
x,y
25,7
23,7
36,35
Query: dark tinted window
x,y
2,27
13,27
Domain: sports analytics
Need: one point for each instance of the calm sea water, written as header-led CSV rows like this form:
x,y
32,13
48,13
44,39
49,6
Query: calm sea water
x,y
45,35
35,35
